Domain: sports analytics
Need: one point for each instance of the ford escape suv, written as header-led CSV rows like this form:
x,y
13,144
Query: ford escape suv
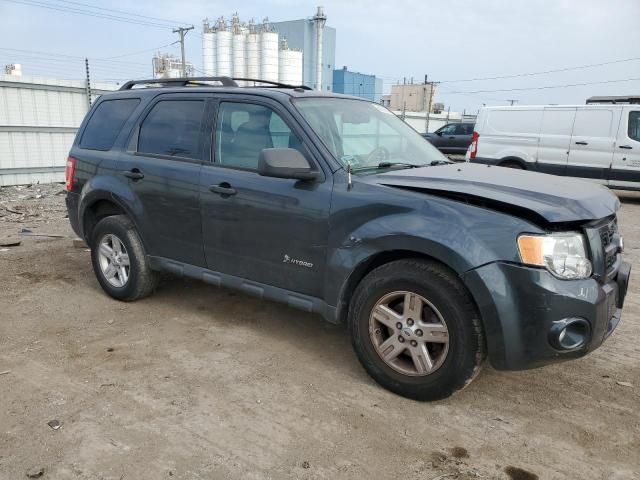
x,y
333,205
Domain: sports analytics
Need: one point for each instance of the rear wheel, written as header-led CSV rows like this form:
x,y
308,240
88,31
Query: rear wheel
x,y
119,260
416,330
512,164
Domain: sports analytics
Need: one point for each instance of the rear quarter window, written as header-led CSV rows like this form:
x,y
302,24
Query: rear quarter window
x,y
106,122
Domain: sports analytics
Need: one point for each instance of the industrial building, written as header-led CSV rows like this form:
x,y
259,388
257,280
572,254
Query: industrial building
x,y
38,122
359,84
169,66
410,97
298,52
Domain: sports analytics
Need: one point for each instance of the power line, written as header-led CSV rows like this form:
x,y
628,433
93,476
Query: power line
x,y
172,22
88,13
545,87
566,69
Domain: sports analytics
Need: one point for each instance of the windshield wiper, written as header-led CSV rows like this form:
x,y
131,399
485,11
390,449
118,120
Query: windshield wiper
x,y
399,164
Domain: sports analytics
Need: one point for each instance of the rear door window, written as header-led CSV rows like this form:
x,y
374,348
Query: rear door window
x,y
634,126
106,122
172,129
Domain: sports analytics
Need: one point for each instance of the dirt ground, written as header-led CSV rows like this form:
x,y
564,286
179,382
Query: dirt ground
x,y
203,383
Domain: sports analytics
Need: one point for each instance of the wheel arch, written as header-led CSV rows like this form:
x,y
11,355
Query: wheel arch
x,y
372,262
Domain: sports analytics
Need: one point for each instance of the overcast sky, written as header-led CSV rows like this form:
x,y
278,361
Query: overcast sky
x,y
450,40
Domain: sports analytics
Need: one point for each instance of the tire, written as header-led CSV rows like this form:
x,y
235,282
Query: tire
x,y
512,164
139,280
448,303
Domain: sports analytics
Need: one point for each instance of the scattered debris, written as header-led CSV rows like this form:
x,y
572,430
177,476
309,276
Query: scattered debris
x,y
4,249
36,472
10,242
516,473
625,384
107,384
306,464
5,372
110,321
110,349
28,233
55,424
446,475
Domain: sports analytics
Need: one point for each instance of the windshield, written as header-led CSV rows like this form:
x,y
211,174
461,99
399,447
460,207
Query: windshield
x,y
366,135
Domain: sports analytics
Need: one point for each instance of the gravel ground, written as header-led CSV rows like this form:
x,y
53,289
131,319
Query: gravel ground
x,y
203,383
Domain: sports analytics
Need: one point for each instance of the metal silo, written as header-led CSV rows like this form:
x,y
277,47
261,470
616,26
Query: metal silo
x,y
223,50
290,65
253,52
208,49
268,53
239,48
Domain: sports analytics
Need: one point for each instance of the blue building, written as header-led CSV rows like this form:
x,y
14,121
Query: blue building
x,y
358,84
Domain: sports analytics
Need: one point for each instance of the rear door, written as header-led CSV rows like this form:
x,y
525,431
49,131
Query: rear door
x,y
592,140
270,230
555,140
625,169
162,166
462,136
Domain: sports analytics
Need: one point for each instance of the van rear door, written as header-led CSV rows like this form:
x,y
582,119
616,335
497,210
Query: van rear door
x,y
625,169
591,150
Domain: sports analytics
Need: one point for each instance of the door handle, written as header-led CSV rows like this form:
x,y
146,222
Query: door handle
x,y
626,147
223,189
133,174
582,143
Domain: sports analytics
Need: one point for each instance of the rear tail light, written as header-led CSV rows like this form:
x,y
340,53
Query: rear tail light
x,y
70,173
474,145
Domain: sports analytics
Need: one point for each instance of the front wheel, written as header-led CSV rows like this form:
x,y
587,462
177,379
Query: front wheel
x,y
415,329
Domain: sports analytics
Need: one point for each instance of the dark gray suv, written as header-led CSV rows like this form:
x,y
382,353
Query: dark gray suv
x,y
452,137
333,205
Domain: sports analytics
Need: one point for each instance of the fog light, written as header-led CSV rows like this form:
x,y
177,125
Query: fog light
x,y
569,333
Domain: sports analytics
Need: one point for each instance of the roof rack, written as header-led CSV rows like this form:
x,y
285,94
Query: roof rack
x,y
617,99
186,81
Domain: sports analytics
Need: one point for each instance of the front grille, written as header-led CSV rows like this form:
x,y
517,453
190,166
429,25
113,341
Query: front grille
x,y
609,235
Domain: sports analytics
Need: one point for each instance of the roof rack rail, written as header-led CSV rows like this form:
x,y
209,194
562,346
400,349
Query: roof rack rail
x,y
271,83
615,99
179,82
225,81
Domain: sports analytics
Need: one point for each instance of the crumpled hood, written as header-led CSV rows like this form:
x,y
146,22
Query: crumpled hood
x,y
556,199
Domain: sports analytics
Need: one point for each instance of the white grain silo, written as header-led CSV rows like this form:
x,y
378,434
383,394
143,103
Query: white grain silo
x,y
223,50
268,53
239,48
289,65
253,52
208,49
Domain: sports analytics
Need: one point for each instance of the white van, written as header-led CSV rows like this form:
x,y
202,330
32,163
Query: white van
x,y
596,142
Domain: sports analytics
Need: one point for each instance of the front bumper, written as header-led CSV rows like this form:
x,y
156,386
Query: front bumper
x,y
520,304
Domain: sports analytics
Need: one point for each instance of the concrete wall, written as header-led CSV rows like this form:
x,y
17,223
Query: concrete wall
x,y
38,121
411,97
301,34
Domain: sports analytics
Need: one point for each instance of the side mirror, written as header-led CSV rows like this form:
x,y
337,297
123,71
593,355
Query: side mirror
x,y
439,133
285,163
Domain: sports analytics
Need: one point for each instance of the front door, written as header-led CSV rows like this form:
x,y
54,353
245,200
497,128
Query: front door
x,y
591,149
625,169
269,230
162,166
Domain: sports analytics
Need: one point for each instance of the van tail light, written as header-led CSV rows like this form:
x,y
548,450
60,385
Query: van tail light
x,y
474,145
70,173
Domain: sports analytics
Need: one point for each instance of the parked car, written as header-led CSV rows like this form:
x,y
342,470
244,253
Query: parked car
x,y
596,142
452,137
333,205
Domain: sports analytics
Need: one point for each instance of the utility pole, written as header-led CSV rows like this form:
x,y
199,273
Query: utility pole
x,y
512,101
87,86
431,86
182,31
